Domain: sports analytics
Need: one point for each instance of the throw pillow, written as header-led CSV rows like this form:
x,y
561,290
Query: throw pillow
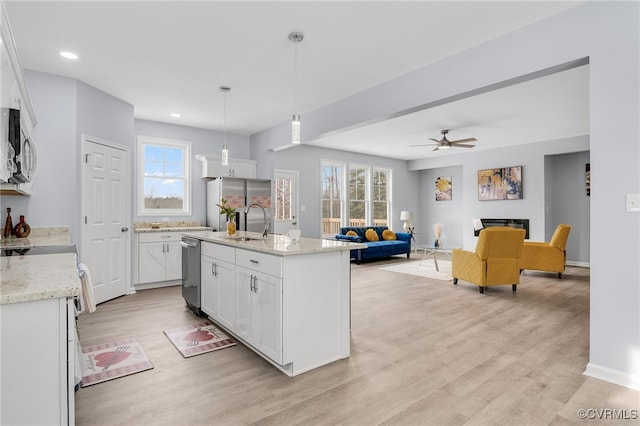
x,y
388,235
371,235
352,233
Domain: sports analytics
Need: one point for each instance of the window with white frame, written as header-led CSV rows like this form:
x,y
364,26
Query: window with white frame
x,y
333,196
163,176
368,197
358,195
381,197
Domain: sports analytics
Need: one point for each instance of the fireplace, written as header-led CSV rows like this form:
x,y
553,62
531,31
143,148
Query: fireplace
x,y
514,223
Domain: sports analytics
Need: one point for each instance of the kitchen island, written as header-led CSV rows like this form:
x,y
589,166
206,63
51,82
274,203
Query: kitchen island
x,y
287,301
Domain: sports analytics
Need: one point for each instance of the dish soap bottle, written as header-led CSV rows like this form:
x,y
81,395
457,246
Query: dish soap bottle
x,y
8,227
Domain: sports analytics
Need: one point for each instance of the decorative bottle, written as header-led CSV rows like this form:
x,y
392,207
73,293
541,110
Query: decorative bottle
x,y
8,227
22,229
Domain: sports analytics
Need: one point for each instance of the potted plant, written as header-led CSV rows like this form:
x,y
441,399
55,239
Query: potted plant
x,y
230,213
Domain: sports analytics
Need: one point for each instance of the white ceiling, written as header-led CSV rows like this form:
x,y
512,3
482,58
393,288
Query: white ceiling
x,y
172,56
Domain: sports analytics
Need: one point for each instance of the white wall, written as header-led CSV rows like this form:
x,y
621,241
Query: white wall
x,y
607,33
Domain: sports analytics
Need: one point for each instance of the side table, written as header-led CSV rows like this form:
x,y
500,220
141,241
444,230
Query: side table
x,y
431,252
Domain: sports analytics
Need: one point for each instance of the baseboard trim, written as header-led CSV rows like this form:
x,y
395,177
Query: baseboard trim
x,y
612,376
148,286
581,264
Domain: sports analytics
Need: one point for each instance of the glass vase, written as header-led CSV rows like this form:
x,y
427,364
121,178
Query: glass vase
x,y
231,225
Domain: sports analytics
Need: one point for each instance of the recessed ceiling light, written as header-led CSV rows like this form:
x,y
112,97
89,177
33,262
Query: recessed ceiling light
x,y
68,55
175,114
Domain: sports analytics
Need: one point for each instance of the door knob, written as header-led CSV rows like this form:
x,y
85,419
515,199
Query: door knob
x,y
124,229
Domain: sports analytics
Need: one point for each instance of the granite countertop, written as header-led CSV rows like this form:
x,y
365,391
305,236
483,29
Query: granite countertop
x,y
174,229
38,277
170,226
44,236
280,245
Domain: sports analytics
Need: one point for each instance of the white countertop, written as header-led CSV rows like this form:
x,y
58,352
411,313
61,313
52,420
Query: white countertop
x,y
280,245
37,277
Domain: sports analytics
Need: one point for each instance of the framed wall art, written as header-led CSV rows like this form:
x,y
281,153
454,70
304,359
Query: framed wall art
x,y
500,184
443,188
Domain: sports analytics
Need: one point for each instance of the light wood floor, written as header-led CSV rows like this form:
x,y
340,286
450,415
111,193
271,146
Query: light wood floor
x,y
423,352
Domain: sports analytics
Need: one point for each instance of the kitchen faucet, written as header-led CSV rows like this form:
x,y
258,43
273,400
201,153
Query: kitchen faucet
x,y
264,215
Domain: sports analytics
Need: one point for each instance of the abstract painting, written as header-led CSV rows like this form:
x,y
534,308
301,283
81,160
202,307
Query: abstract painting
x,y
500,184
443,188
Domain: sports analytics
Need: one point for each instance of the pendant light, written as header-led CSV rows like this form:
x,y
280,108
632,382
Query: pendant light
x,y
225,149
295,37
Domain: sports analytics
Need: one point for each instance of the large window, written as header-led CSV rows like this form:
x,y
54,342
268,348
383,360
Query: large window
x,y
163,178
333,177
358,195
368,199
381,197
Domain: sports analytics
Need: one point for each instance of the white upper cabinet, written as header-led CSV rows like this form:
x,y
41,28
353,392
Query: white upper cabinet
x,y
212,167
14,96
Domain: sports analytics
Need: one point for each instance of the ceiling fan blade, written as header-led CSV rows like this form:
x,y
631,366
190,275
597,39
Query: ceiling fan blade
x,y
437,148
459,145
424,144
435,140
465,140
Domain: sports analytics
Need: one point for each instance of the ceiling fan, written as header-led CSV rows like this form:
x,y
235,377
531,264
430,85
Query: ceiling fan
x,y
445,143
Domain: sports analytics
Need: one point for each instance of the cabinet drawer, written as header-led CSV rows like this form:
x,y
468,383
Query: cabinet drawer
x,y
260,262
159,237
218,251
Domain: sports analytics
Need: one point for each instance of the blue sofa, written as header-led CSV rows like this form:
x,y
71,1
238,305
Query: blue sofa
x,y
376,249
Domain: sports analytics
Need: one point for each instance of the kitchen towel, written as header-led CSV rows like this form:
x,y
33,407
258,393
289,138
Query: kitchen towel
x,y
87,300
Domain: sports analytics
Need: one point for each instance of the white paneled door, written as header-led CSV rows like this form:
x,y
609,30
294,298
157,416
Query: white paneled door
x,y
106,183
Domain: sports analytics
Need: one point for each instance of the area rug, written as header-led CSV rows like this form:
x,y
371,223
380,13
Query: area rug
x,y
423,268
196,339
112,360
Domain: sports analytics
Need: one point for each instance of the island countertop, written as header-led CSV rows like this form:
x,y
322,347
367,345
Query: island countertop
x,y
280,245
37,277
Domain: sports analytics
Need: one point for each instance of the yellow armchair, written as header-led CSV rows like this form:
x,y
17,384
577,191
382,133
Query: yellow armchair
x,y
548,257
495,261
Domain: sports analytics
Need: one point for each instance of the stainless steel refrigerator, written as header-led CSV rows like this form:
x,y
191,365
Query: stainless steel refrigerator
x,y
239,192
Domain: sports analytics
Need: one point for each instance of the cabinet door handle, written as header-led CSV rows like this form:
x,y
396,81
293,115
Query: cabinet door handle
x,y
254,261
167,248
213,271
255,284
164,246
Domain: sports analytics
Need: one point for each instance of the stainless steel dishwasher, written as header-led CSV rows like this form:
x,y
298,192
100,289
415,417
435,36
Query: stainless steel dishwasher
x,y
191,273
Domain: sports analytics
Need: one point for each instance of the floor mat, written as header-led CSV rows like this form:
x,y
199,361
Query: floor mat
x,y
196,339
112,360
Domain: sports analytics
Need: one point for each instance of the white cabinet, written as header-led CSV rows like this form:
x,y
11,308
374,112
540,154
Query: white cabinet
x,y
259,311
218,284
14,95
240,168
159,257
38,358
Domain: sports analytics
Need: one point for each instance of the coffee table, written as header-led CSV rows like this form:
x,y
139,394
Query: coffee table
x,y
431,252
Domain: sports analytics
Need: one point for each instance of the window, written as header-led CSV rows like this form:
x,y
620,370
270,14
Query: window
x,y
381,197
368,198
358,195
333,177
283,208
163,178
